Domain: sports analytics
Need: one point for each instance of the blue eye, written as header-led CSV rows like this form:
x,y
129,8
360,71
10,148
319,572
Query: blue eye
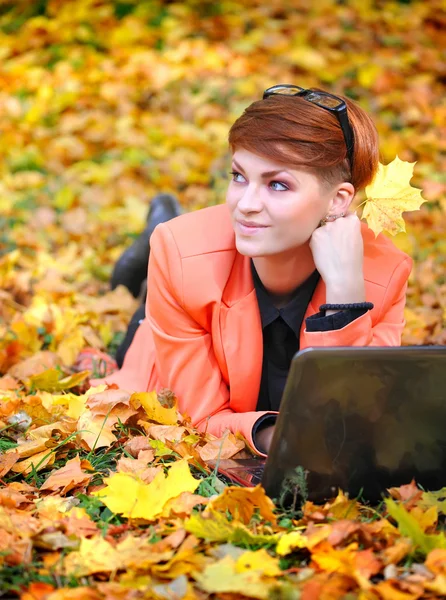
x,y
236,174
284,187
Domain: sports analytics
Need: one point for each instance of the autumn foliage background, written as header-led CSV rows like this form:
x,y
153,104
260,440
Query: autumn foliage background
x,y
102,105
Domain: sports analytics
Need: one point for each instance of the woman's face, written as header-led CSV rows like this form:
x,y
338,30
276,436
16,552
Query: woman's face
x,y
274,209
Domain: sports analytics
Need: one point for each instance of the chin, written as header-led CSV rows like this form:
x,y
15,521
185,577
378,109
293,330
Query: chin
x,y
248,249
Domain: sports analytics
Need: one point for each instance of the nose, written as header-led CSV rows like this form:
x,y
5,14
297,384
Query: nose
x,y
250,200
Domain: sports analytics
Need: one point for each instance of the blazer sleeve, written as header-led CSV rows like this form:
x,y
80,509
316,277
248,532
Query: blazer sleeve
x,y
386,330
185,359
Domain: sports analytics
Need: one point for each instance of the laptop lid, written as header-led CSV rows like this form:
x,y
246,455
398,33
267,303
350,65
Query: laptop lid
x,y
361,419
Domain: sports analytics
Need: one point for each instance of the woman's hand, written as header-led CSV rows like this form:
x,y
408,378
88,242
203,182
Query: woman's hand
x,y
338,253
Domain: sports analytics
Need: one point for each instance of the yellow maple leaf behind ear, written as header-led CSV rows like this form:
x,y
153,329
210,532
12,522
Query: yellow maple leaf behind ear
x,y
389,195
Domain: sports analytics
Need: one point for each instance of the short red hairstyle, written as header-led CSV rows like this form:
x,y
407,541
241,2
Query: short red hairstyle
x,y
292,131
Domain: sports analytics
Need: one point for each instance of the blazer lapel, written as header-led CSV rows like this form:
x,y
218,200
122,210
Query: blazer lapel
x,y
242,339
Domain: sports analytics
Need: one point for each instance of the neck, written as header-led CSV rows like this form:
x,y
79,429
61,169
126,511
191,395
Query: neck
x,y
282,273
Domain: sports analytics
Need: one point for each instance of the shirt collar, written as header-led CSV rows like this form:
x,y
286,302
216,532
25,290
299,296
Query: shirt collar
x,y
293,312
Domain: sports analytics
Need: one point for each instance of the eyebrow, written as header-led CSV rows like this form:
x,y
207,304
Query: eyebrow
x,y
266,174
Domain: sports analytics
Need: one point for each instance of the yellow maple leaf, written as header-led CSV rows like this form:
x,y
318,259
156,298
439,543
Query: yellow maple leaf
x,y
70,346
128,495
95,555
212,526
154,410
389,195
223,576
258,560
52,380
291,541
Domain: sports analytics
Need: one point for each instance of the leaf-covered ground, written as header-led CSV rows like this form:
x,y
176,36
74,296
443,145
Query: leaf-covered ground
x,y
103,104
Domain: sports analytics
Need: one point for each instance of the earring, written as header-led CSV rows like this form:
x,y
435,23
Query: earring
x,y
329,218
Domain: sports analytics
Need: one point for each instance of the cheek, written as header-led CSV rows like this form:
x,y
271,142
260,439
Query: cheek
x,y
231,198
289,214
298,218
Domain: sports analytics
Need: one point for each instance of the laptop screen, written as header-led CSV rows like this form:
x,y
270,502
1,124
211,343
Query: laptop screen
x,y
361,419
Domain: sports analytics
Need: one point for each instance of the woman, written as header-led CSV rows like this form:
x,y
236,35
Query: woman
x,y
234,290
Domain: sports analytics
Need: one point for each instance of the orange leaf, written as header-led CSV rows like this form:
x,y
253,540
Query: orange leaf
x,y
388,590
7,461
69,476
183,504
37,591
242,502
410,494
436,561
103,402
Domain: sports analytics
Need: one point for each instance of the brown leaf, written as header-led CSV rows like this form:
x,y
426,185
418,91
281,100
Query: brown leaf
x,y
31,447
139,466
171,433
68,477
182,505
34,365
7,382
223,448
410,494
7,461
136,444
396,552
103,402
17,495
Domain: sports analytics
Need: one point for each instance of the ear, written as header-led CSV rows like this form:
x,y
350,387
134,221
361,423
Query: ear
x,y
343,195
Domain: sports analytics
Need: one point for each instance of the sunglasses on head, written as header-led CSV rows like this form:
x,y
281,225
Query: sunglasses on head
x,y
323,100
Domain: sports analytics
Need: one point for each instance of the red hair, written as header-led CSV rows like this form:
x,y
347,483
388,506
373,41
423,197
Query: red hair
x,y
292,131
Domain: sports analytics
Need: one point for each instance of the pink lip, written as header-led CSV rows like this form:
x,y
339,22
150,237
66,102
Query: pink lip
x,y
249,228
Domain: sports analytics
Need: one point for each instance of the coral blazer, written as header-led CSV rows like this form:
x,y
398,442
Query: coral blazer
x,y
202,335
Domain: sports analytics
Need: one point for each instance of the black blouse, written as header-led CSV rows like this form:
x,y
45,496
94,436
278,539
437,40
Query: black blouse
x,y
281,332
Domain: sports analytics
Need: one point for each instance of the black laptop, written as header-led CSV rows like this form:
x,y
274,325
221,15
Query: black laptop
x,y
360,419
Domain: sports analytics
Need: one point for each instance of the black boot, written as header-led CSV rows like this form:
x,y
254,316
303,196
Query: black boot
x,y
131,268
135,322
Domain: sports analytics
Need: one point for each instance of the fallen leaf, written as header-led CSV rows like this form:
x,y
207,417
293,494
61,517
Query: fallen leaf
x,y
437,499
127,495
258,560
171,433
95,555
7,461
182,505
224,448
7,382
34,365
37,462
136,444
51,380
102,402
410,527
212,526
410,494
223,577
154,410
69,477
138,467
242,503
